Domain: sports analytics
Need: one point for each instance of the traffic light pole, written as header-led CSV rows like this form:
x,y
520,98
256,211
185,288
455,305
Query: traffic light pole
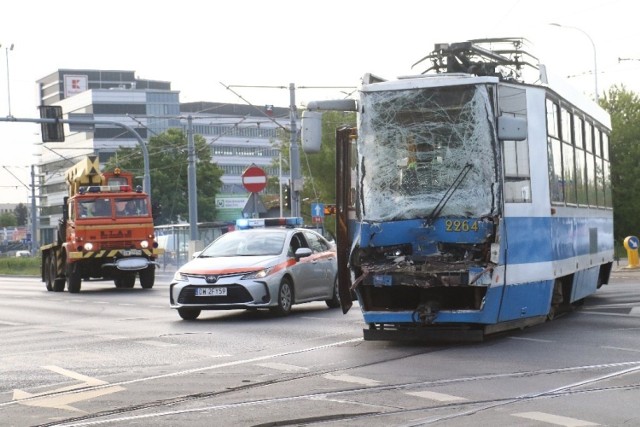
x,y
146,183
294,155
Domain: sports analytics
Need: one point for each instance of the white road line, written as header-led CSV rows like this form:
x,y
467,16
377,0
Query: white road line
x,y
2,322
282,367
635,311
554,419
440,397
157,343
352,379
530,339
637,350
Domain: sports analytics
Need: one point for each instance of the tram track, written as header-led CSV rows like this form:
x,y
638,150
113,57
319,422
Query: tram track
x,y
460,409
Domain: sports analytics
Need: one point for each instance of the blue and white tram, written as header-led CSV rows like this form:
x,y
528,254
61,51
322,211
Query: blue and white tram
x,y
470,201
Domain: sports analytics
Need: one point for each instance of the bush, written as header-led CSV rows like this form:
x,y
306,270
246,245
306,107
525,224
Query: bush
x,y
20,266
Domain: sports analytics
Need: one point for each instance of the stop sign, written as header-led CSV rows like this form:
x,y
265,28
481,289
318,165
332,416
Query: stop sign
x,y
254,179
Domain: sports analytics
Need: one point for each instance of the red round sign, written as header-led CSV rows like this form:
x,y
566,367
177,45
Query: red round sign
x,y
254,179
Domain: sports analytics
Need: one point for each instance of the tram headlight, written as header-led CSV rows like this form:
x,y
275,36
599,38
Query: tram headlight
x,y
144,244
88,246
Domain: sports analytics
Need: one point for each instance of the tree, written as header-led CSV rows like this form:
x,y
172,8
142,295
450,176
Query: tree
x,y
624,151
22,213
8,219
168,162
319,169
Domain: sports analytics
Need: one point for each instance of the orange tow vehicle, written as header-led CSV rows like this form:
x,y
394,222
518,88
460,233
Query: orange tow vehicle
x,y
106,232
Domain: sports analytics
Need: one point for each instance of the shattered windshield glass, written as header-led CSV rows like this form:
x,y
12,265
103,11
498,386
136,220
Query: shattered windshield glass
x,y
417,147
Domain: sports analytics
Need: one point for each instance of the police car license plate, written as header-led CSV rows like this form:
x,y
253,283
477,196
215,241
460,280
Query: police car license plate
x,y
208,292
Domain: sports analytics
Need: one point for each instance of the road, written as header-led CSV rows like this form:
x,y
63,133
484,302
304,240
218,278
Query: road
x,y
122,357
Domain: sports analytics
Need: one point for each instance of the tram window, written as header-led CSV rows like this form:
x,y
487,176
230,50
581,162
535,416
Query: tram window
x,y
568,174
592,195
599,182
553,117
555,171
598,144
607,184
565,125
517,175
605,146
588,139
581,180
578,141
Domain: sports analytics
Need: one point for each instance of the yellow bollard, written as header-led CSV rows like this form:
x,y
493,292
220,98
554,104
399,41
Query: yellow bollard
x,y
631,244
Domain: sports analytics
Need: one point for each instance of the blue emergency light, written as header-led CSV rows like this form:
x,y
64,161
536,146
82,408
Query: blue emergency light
x,y
245,223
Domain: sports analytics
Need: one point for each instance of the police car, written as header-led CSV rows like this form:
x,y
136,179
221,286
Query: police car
x,y
270,263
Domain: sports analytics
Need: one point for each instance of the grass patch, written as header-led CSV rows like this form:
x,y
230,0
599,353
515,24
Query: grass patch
x,y
20,266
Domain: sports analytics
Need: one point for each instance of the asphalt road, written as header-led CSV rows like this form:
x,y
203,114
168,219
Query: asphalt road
x,y
110,356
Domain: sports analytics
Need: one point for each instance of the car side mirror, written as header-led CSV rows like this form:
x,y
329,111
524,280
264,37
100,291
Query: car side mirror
x,y
302,253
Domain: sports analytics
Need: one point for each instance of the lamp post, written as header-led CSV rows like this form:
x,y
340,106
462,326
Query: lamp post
x,y
595,58
6,52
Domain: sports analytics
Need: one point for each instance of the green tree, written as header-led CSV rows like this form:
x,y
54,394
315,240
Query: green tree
x,y
624,151
21,212
319,169
168,172
8,219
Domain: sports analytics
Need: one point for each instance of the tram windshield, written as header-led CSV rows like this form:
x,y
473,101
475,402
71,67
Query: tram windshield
x,y
419,148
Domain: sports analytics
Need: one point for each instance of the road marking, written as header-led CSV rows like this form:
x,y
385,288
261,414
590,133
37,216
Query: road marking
x,y
554,419
282,367
351,379
440,397
621,348
158,343
10,323
635,311
64,401
530,339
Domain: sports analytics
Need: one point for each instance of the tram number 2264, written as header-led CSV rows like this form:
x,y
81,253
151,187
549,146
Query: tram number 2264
x,y
455,225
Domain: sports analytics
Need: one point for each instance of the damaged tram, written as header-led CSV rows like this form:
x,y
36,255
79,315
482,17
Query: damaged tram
x,y
468,200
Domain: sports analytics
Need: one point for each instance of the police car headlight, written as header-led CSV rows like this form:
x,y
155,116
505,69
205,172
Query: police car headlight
x,y
88,246
179,277
257,274
144,244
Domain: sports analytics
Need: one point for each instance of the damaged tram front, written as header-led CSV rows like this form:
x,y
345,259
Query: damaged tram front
x,y
454,219
429,202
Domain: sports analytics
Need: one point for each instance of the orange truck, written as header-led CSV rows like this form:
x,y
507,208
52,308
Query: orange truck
x,y
106,232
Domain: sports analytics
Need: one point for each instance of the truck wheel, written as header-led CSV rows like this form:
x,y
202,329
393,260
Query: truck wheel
x,y
74,279
189,313
48,278
147,277
58,283
128,280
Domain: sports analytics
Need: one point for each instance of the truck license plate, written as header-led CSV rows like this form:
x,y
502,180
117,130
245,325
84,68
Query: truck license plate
x,y
207,292
129,252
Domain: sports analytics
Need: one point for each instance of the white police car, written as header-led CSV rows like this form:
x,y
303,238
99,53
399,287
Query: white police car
x,y
265,263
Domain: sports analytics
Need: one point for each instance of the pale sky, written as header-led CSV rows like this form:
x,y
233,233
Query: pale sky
x,y
198,44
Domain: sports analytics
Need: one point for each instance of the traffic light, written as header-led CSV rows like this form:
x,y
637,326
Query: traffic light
x,y
329,209
51,132
286,190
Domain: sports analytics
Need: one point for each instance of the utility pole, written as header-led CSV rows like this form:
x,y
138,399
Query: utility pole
x,y
191,179
294,155
34,213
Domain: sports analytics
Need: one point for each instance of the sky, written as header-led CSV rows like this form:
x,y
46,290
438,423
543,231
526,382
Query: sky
x,y
199,46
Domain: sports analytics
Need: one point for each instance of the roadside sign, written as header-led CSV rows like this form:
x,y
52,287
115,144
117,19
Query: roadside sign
x,y
254,179
317,209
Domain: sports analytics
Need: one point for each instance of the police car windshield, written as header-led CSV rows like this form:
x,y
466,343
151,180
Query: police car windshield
x,y
246,243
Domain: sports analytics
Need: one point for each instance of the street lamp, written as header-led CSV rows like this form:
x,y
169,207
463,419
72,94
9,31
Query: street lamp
x,y
595,59
6,50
